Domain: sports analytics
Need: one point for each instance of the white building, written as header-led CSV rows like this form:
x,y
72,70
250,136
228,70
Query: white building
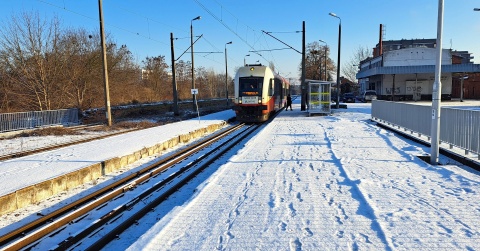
x,y
405,70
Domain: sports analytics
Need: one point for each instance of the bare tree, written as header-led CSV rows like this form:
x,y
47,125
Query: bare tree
x,y
5,91
82,68
183,71
316,58
156,75
32,59
217,84
210,84
350,68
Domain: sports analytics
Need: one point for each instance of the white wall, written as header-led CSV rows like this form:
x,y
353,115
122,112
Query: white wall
x,y
405,82
415,56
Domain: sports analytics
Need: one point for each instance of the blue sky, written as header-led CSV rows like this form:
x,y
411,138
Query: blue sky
x,y
145,26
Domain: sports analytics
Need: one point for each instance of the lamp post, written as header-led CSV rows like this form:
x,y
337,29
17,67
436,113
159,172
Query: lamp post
x,y
437,91
191,51
244,61
338,60
326,45
226,72
461,85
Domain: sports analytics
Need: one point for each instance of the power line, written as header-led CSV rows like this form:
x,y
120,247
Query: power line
x,y
220,20
248,27
96,20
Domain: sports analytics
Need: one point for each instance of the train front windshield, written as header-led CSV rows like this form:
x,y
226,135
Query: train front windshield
x,y
250,86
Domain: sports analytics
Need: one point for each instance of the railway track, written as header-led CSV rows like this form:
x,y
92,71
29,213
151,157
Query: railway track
x,y
56,146
92,221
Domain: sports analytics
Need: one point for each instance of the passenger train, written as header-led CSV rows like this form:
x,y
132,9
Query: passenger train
x,y
259,93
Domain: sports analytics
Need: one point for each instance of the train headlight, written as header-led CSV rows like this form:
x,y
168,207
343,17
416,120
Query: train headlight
x,y
259,101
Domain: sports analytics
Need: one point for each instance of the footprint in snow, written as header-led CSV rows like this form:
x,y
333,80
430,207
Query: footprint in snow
x,y
295,245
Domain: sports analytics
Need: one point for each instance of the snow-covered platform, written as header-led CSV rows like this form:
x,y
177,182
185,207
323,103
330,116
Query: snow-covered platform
x,y
324,183
31,179
335,182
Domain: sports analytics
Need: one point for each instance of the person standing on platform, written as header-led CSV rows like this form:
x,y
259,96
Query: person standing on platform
x,y
289,102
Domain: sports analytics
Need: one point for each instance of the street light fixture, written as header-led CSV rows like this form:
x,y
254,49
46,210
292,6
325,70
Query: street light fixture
x,y
326,45
476,9
338,60
191,51
226,72
244,61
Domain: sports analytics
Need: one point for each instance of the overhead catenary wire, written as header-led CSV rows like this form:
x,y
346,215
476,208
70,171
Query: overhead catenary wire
x,y
220,20
106,24
148,35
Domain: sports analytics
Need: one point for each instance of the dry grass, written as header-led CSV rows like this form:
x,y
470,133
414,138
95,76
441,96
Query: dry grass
x,y
144,121
137,125
123,125
49,131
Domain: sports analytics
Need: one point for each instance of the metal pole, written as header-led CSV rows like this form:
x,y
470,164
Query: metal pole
x,y
338,58
338,62
193,65
319,65
393,87
437,91
174,79
226,72
325,55
108,112
326,77
415,91
461,87
304,88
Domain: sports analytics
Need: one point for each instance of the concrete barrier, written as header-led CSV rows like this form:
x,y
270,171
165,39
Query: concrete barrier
x,y
38,192
8,203
43,190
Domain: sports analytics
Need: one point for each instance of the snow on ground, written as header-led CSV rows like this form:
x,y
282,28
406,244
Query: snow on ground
x,y
21,172
310,183
20,144
326,183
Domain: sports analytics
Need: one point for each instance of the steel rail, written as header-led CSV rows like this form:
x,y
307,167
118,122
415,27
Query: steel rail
x,y
38,228
56,146
113,234
145,208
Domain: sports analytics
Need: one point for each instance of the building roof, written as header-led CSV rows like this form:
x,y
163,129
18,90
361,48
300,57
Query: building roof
x,y
453,68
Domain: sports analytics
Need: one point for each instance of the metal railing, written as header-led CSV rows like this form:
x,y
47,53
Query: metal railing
x,y
36,119
458,127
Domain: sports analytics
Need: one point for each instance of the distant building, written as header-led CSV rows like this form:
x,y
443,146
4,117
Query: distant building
x,y
405,69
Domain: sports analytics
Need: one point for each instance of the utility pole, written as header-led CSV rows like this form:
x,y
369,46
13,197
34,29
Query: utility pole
x,y
303,85
226,72
325,55
108,112
174,79
461,86
437,91
193,67
393,88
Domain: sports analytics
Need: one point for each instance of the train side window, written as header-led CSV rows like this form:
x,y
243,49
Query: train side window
x,y
270,90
